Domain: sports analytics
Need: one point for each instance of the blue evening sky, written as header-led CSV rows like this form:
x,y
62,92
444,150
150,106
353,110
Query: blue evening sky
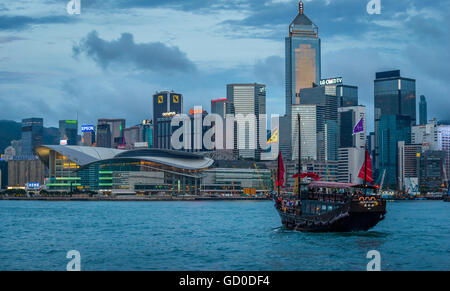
x,y
109,60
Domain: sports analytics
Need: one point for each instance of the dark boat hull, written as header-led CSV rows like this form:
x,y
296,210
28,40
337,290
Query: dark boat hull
x,y
352,216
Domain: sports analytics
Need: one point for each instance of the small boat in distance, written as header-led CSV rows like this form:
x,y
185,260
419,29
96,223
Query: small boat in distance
x,y
327,206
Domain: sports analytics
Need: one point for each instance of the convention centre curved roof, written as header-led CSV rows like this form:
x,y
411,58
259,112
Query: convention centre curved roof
x,y
85,156
82,155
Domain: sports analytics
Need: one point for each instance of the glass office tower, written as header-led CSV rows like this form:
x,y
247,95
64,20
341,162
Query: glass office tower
x,y
247,99
302,57
327,125
392,129
393,95
423,114
32,133
348,95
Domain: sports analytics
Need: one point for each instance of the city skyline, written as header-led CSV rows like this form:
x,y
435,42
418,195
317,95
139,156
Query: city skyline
x,y
66,72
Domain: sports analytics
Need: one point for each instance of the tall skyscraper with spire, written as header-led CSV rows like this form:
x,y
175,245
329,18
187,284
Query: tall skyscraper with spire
x,y
302,57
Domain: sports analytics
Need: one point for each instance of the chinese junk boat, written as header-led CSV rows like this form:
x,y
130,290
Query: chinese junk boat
x,y
321,206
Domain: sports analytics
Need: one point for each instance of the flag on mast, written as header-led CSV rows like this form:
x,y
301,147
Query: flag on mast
x,y
359,127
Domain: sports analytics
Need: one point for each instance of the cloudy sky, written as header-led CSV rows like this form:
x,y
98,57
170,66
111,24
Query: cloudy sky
x,y
109,60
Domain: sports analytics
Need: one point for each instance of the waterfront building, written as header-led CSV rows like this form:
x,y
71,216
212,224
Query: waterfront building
x,y
132,135
237,180
423,111
426,135
104,136
88,138
393,95
348,118
165,104
116,127
347,95
32,134
309,115
24,171
431,171
392,129
444,145
371,146
3,174
68,132
17,145
408,164
303,57
146,133
9,154
350,161
327,122
285,137
247,100
197,117
119,171
327,171
222,107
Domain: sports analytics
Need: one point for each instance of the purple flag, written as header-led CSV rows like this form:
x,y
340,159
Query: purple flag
x,y
359,127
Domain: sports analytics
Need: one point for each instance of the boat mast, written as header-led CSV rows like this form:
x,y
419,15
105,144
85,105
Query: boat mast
x,y
299,157
278,176
365,169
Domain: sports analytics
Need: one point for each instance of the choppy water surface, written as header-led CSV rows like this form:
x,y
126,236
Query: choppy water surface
x,y
212,236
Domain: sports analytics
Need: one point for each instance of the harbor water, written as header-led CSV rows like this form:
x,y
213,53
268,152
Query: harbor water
x,y
244,235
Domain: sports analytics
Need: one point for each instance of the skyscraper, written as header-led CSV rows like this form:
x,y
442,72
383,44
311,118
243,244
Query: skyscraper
x,y
32,132
392,129
103,136
423,114
327,125
68,131
303,57
221,107
247,99
308,119
116,127
165,104
393,95
348,118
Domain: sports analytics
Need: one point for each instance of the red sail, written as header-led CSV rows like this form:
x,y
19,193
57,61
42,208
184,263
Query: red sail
x,y
280,174
369,177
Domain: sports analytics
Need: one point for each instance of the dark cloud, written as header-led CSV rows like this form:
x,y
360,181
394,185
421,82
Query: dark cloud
x,y
154,56
23,22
